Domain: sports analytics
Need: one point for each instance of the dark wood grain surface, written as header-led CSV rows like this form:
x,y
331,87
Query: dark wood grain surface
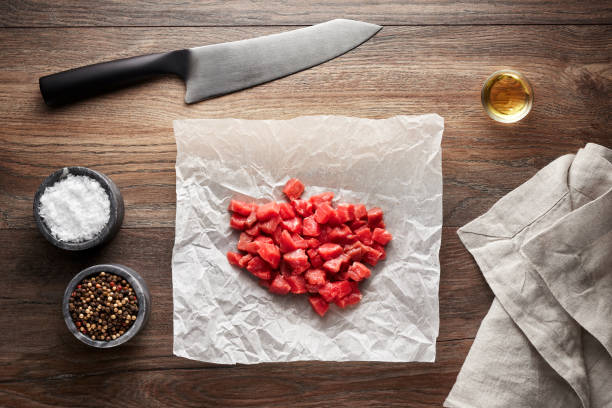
x,y
432,56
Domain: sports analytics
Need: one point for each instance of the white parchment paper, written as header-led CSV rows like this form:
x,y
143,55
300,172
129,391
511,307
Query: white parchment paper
x,y
222,315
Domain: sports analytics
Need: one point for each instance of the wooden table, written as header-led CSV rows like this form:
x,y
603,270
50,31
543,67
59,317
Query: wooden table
x,y
432,56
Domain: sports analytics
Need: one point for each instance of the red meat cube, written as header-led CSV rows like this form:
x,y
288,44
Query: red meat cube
x,y
319,199
263,239
330,251
238,222
270,225
355,225
358,271
311,228
293,189
252,247
285,210
339,234
312,288
315,259
334,219
259,268
297,283
335,290
234,258
355,251
346,212
315,276
372,256
276,236
253,231
280,286
267,211
286,242
243,241
380,249
302,207
313,243
299,241
293,225
297,260
350,299
365,235
324,211
360,212
240,207
270,253
381,236
375,215
334,265
251,220
245,260
319,305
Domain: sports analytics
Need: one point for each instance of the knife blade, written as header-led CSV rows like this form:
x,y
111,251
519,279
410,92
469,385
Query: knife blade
x,y
214,70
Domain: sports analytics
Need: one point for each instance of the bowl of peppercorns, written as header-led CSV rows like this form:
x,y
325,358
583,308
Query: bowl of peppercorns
x,y
106,305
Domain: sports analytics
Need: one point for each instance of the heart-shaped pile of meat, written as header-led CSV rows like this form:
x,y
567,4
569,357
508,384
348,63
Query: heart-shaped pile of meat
x,y
308,246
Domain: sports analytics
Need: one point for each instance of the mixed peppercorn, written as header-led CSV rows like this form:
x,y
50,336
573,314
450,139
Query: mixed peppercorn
x,y
103,306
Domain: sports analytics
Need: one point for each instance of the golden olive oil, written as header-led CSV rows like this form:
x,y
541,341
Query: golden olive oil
x,y
507,96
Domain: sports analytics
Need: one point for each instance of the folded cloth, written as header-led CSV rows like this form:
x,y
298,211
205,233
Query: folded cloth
x,y
545,250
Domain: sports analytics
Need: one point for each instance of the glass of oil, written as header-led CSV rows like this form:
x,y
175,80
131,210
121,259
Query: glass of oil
x,y
507,96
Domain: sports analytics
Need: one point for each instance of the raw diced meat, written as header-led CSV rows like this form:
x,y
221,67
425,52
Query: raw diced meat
x,y
338,234
299,241
234,258
346,212
315,276
358,271
315,259
270,253
285,210
243,241
381,236
350,299
335,290
311,228
259,268
280,286
293,189
324,211
245,260
319,199
237,222
334,265
240,207
330,251
319,305
283,253
375,215
302,207
286,242
293,225
313,243
253,231
267,211
365,235
297,283
270,225
372,256
297,260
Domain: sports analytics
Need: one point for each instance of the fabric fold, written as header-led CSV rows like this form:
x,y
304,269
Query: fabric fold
x,y
554,226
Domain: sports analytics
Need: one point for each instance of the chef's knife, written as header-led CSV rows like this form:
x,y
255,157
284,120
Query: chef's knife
x,y
218,69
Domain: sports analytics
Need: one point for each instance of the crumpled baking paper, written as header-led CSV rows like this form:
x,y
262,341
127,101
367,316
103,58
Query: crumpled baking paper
x,y
222,315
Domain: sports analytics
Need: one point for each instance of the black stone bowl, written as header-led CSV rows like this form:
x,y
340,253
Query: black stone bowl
x,y
117,209
142,295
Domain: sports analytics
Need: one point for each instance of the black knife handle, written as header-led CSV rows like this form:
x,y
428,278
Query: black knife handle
x,y
74,84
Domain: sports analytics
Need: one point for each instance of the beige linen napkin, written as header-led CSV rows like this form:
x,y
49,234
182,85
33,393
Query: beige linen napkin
x,y
545,249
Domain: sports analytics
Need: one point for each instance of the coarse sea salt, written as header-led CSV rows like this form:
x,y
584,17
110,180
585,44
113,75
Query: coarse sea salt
x,y
75,208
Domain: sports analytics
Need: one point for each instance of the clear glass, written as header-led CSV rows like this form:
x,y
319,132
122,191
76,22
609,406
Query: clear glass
x,y
507,96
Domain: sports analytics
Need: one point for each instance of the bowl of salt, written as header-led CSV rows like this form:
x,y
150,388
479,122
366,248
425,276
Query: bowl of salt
x,y
77,208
